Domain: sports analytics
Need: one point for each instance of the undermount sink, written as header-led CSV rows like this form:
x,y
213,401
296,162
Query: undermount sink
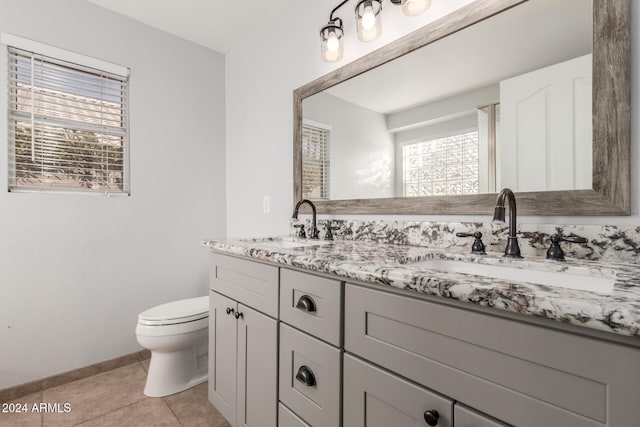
x,y
289,243
580,278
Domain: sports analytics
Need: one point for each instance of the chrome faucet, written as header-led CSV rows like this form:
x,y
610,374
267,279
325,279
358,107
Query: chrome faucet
x,y
512,250
314,226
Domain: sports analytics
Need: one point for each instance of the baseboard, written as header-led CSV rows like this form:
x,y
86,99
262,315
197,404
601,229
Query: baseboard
x,y
20,390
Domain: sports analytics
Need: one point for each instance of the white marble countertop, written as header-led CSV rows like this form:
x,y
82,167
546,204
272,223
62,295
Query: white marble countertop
x,y
392,265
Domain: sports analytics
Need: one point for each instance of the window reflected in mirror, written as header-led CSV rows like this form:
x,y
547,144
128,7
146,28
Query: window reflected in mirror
x,y
316,140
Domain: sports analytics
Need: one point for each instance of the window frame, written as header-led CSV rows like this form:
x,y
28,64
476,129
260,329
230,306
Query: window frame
x,y
94,70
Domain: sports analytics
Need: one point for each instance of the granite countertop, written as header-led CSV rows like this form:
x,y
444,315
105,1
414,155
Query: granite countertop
x,y
394,265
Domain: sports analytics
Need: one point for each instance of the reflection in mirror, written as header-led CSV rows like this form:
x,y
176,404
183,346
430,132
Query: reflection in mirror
x,y
503,103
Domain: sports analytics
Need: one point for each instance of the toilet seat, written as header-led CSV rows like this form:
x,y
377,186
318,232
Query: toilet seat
x,y
176,312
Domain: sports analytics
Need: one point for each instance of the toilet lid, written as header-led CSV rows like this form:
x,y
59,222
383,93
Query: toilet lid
x,y
181,311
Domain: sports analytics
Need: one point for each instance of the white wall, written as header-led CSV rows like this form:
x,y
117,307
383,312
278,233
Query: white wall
x,y
269,64
361,149
262,72
75,270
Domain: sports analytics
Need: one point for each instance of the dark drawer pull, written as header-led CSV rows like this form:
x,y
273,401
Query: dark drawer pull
x,y
306,303
229,310
305,376
238,314
431,417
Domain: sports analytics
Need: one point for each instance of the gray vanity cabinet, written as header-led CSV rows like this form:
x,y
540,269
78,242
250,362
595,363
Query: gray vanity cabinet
x,y
350,355
521,374
243,343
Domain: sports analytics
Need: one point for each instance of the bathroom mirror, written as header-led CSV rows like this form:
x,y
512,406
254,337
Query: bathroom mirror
x,y
532,95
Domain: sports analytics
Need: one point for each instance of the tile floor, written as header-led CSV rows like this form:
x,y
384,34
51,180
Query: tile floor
x,y
115,398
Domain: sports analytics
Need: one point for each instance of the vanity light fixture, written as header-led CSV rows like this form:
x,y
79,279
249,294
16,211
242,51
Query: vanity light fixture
x,y
332,46
414,7
368,24
368,19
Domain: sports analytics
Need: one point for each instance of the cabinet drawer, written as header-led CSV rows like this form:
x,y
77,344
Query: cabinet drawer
x,y
248,282
467,417
286,418
376,398
522,374
311,303
319,402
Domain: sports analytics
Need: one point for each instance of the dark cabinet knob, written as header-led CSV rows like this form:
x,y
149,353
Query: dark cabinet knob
x,y
230,310
431,417
238,314
306,303
305,376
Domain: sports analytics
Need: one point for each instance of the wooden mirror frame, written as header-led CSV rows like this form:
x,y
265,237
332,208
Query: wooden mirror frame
x,y
610,193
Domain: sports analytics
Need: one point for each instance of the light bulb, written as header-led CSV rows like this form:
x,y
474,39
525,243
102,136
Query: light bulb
x,y
415,7
368,20
368,17
333,44
331,37
331,55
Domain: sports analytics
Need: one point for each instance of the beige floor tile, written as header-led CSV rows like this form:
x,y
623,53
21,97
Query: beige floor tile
x,y
21,419
193,409
150,412
145,364
95,396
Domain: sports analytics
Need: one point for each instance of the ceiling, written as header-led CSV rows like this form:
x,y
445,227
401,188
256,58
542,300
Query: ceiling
x,y
216,24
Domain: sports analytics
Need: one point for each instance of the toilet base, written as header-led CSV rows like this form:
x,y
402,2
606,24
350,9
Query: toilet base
x,y
175,371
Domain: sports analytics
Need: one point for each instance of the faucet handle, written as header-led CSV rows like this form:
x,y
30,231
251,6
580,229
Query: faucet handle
x,y
328,235
555,251
477,247
301,233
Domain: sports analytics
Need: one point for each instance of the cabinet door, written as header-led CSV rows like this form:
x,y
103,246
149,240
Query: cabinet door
x,y
467,417
375,398
286,418
257,369
222,355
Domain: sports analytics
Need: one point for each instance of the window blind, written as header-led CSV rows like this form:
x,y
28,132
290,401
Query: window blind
x,y
315,162
68,127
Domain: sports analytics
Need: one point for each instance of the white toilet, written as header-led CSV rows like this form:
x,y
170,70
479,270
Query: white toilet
x,y
177,335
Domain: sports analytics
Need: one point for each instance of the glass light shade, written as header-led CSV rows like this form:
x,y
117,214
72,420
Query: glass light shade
x,y
332,46
368,19
415,7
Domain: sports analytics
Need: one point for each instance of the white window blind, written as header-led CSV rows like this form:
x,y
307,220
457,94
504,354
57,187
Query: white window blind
x,y
315,162
68,127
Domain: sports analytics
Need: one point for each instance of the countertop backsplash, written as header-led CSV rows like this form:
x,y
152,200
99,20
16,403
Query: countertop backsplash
x,y
606,243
